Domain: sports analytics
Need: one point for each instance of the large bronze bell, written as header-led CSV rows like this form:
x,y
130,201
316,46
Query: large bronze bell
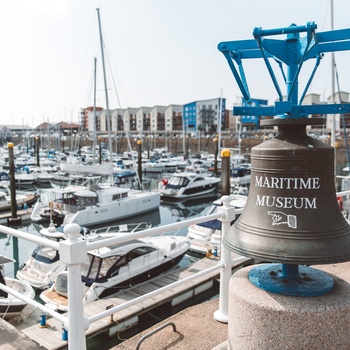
x,y
292,214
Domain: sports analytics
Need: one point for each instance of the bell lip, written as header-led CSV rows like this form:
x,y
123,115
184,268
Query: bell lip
x,y
292,121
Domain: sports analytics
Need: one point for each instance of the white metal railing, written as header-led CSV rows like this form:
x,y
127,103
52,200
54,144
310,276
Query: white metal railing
x,y
73,251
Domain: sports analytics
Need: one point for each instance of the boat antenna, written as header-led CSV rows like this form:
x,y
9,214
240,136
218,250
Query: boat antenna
x,y
220,120
106,90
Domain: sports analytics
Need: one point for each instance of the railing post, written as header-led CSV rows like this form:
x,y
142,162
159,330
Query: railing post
x,y
73,252
221,315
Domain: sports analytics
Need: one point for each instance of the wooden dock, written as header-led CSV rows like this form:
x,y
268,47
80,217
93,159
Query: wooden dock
x,y
51,337
23,214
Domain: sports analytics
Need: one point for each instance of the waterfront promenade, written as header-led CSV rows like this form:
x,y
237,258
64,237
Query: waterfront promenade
x,y
196,328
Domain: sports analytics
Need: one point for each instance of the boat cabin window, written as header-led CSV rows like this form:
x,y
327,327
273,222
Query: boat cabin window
x,y
139,251
119,196
238,172
198,179
133,254
86,201
45,254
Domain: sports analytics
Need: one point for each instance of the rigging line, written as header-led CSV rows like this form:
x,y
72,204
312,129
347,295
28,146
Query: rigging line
x,y
326,15
343,117
113,80
89,90
112,69
85,64
106,89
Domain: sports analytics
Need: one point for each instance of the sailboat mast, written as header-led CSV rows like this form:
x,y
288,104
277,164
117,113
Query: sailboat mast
x,y
219,120
106,90
94,139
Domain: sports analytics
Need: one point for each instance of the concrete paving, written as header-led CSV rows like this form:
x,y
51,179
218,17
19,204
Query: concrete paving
x,y
12,339
196,327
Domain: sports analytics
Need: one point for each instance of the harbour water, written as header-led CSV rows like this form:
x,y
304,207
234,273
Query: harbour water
x,y
20,250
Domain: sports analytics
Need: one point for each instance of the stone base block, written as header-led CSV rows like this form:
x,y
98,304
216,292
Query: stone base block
x,y
259,320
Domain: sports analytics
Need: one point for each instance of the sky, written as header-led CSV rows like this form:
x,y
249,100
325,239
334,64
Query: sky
x,y
157,52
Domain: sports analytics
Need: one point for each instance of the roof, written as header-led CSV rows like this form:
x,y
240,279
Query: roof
x,y
16,127
118,249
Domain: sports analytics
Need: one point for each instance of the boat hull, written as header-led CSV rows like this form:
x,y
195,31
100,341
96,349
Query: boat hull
x,y
11,306
8,311
126,208
143,276
189,192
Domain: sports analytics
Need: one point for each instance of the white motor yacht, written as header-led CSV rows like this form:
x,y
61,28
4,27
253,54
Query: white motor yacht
x,y
186,185
112,268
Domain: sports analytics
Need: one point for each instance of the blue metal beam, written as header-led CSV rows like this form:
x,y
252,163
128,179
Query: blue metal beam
x,y
292,52
286,107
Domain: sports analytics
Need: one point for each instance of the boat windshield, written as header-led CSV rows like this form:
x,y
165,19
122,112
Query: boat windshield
x,y
98,269
45,254
177,182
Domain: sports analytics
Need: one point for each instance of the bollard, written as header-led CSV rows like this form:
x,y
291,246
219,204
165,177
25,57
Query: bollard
x,y
139,162
225,172
64,334
43,323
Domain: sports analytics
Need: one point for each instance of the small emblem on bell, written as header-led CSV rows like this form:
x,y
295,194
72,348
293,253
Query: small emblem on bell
x,y
280,218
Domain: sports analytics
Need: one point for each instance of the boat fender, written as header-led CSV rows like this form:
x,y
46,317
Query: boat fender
x,y
208,253
340,202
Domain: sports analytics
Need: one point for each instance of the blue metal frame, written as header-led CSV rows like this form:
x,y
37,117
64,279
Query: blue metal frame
x,y
293,52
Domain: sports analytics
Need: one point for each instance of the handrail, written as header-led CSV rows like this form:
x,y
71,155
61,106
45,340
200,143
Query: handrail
x,y
42,307
73,252
32,238
154,293
343,193
151,231
153,332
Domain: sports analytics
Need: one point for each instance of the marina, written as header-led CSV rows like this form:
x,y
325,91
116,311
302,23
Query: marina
x,y
165,214
175,294
260,237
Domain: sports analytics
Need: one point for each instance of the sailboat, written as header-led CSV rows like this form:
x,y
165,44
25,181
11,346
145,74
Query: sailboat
x,y
102,204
